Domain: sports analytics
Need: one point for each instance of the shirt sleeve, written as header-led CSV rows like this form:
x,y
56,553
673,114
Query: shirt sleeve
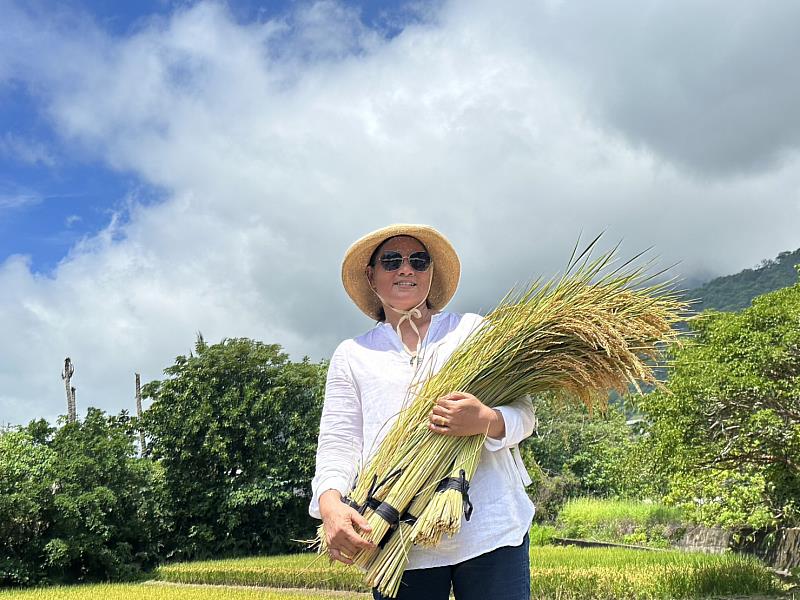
x,y
520,420
340,433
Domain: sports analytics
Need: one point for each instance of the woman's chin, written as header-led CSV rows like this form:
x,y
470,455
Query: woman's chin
x,y
404,301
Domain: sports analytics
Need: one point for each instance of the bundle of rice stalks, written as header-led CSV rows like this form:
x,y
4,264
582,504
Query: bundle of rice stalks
x,y
594,330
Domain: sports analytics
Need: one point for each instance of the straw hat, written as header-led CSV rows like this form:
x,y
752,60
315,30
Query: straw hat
x,y
446,272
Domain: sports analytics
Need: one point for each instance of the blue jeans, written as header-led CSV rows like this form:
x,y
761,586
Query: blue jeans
x,y
502,574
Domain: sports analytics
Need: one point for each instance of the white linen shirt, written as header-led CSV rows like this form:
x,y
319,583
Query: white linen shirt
x,y
367,386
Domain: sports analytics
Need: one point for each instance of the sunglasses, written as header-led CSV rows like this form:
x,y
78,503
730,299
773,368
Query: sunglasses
x,y
419,261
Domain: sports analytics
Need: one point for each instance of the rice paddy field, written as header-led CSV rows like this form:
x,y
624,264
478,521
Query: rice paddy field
x,y
557,573
168,592
620,521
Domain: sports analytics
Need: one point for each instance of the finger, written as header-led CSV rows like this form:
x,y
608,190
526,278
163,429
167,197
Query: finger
x,y
356,542
440,421
346,546
353,542
439,429
439,417
447,403
337,555
441,411
359,520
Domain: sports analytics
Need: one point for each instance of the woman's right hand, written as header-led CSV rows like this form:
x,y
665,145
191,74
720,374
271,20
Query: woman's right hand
x,y
339,521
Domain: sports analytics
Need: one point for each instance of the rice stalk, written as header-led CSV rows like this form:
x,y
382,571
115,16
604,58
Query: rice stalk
x,y
387,569
443,512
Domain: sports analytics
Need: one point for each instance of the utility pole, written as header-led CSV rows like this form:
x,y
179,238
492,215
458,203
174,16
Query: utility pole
x,y
139,413
69,371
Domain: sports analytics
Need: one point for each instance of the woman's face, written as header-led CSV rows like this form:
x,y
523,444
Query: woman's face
x,y
403,288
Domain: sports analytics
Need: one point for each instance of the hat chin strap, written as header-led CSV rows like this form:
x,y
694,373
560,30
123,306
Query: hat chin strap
x,y
407,317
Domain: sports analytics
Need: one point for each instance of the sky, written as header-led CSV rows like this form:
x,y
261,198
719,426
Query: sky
x,y
169,168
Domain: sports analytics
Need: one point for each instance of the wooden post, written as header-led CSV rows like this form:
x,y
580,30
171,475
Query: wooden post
x,y
139,413
69,370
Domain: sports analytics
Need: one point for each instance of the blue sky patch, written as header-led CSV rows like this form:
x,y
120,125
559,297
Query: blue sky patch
x,y
52,195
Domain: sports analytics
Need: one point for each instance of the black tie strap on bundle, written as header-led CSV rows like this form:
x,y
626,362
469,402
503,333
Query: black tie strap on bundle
x,y
460,484
408,518
351,503
385,511
372,502
388,513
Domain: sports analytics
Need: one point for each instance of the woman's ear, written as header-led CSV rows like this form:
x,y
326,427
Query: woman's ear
x,y
368,270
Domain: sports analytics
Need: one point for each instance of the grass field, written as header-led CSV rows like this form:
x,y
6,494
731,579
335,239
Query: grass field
x,y
165,592
620,521
556,572
292,570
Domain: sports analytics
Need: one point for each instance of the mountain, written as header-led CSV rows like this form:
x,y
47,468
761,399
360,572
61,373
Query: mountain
x,y
735,292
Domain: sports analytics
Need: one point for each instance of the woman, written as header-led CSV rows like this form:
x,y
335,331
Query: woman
x,y
402,276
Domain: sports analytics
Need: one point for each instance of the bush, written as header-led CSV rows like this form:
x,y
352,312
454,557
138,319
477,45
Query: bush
x,y
76,504
27,473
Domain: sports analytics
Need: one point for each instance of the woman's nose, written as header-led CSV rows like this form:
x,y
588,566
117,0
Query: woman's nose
x,y
405,266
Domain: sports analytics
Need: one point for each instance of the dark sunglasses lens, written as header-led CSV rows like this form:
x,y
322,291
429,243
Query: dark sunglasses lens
x,y
420,261
391,261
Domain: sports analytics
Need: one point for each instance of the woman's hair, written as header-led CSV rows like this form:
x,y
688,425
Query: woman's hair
x,y
373,260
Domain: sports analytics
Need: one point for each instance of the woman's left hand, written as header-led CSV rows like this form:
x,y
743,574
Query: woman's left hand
x,y
462,414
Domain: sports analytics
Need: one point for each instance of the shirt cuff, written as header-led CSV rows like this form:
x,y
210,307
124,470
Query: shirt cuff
x,y
513,434
341,484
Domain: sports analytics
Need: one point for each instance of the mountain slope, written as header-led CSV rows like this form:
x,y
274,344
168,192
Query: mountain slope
x,y
735,292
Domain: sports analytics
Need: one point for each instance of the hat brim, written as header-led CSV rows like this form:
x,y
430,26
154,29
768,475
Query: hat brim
x,y
446,272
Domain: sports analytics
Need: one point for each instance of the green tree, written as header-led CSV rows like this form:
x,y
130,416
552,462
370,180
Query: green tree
x,y
235,427
108,502
725,433
578,453
26,500
76,504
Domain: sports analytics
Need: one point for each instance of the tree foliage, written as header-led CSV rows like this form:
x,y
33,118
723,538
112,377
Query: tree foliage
x,y
577,453
726,431
235,428
108,501
76,504
26,475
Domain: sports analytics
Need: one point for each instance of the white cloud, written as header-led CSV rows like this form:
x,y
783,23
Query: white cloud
x,y
279,143
19,199
710,86
24,150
